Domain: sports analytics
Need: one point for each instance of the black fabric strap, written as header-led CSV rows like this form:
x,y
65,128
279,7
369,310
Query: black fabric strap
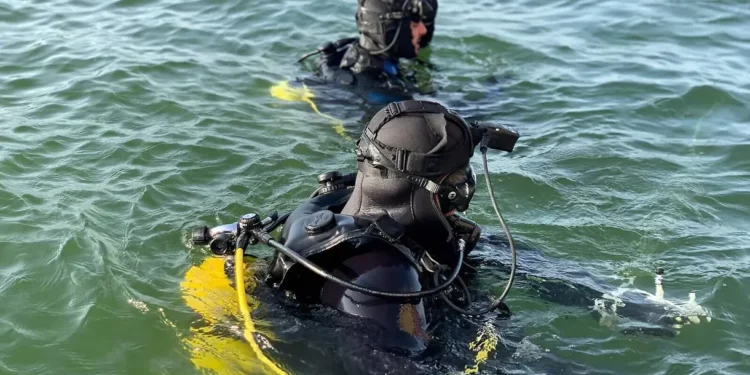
x,y
421,182
408,162
369,170
395,109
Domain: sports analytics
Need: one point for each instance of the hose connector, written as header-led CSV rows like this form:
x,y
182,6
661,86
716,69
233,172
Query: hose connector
x,y
245,227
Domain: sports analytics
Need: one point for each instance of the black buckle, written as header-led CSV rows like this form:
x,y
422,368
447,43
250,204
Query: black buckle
x,y
393,109
424,183
402,156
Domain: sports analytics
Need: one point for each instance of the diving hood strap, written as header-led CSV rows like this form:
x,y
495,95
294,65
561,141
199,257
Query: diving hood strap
x,y
408,162
395,109
421,182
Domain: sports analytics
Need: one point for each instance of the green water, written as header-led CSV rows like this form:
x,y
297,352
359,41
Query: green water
x,y
125,123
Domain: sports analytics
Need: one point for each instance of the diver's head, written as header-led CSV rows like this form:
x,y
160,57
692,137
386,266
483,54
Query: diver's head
x,y
396,28
413,160
425,144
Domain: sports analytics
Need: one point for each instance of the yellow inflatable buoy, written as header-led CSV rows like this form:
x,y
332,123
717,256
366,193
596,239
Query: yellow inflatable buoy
x,y
207,290
283,91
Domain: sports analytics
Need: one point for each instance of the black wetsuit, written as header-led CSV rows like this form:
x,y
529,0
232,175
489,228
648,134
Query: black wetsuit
x,y
376,79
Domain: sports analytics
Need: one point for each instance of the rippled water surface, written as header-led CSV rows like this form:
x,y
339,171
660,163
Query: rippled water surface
x,y
125,123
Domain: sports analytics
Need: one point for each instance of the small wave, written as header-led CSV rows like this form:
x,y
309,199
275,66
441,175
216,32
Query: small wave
x,y
696,102
130,3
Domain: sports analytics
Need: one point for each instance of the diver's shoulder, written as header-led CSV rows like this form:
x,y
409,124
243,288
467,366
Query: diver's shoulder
x,y
336,74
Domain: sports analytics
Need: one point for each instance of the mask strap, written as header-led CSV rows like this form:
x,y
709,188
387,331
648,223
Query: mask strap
x,y
424,183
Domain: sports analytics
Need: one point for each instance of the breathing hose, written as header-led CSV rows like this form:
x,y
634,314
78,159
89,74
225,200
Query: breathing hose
x,y
511,243
492,306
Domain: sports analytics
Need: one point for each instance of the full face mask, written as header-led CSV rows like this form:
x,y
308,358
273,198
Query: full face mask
x,y
457,189
384,26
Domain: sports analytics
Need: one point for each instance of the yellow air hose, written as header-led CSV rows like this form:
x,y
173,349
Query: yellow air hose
x,y
247,332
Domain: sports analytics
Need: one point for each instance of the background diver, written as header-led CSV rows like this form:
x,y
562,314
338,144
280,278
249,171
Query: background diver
x,y
389,30
389,235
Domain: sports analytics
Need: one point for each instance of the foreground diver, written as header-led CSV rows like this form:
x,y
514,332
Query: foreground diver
x,y
388,31
378,244
382,243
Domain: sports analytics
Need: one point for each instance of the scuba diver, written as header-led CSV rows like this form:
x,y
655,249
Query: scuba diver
x,y
388,31
377,243
365,69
